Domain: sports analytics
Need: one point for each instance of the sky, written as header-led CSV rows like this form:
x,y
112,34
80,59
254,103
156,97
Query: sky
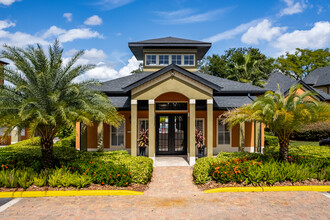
x,y
103,28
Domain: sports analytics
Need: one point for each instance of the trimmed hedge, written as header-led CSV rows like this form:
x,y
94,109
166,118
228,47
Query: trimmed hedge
x,y
23,155
271,140
313,132
305,162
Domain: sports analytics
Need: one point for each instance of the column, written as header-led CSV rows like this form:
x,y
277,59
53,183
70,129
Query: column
x,y
134,127
257,137
209,128
192,141
100,131
15,135
152,130
83,137
241,137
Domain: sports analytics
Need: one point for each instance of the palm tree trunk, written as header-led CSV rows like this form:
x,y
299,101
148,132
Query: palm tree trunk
x,y
284,149
47,152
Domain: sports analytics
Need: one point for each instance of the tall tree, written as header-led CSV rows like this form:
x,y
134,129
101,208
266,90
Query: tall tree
x,y
282,114
139,69
303,61
240,64
42,95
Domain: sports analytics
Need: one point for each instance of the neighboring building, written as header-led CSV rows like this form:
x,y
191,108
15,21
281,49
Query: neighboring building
x,y
15,136
319,79
172,99
285,83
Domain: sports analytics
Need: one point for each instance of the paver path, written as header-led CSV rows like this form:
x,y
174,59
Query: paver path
x,y
172,182
172,195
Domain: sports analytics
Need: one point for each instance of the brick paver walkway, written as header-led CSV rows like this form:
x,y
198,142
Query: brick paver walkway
x,y
172,195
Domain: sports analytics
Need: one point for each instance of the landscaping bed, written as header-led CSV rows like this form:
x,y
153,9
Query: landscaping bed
x,y
308,165
21,169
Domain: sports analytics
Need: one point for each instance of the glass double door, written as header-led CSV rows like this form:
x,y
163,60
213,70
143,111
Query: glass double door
x,y
171,134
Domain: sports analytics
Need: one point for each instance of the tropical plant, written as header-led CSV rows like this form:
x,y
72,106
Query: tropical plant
x,y
281,114
199,138
246,65
143,138
44,95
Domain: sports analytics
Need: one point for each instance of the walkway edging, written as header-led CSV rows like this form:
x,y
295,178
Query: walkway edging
x,y
20,194
269,189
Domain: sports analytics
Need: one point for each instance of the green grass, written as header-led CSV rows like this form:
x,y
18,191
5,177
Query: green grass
x,y
303,143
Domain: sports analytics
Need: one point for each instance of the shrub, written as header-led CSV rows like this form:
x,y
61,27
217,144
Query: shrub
x,y
201,169
14,178
271,140
313,132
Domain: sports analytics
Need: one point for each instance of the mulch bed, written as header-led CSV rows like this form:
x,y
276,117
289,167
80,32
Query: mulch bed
x,y
135,187
212,184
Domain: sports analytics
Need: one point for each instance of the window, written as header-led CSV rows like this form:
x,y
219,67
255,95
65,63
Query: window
x,y
199,125
163,59
23,132
151,60
143,125
223,133
171,106
189,60
176,59
2,131
118,135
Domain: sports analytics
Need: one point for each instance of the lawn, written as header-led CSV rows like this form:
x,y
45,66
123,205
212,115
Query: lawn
x,y
302,143
306,163
21,167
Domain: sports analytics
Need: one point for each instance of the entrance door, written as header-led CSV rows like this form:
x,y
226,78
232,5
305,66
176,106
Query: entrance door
x,y
171,134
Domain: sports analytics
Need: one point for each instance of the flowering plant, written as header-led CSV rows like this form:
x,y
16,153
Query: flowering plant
x,y
199,137
144,139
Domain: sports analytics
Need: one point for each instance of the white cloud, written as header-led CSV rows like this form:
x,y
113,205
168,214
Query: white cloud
x,y
293,7
231,33
92,56
8,2
104,71
185,16
93,20
68,16
112,4
6,24
317,37
262,31
72,34
20,39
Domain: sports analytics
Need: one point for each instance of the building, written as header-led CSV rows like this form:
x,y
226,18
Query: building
x,y
285,83
171,98
319,79
15,136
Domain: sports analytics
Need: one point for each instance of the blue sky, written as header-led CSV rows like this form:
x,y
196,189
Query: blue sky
x,y
104,27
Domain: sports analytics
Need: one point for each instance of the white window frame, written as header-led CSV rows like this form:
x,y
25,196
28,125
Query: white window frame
x,y
124,145
142,119
187,55
201,119
156,64
159,59
177,55
230,132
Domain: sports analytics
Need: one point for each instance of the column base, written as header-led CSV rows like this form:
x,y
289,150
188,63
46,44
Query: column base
x,y
192,161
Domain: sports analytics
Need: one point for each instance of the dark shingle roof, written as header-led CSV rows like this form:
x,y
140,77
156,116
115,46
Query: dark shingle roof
x,y
227,102
120,101
170,68
169,42
277,78
225,85
319,77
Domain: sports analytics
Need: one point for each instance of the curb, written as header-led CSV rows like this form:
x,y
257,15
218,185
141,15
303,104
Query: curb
x,y
20,194
269,189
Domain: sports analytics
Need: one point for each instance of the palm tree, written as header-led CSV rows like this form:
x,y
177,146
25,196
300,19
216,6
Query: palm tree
x,y
281,114
43,95
247,70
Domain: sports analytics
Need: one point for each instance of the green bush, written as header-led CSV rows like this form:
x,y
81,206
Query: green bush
x,y
305,162
16,178
271,140
313,132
